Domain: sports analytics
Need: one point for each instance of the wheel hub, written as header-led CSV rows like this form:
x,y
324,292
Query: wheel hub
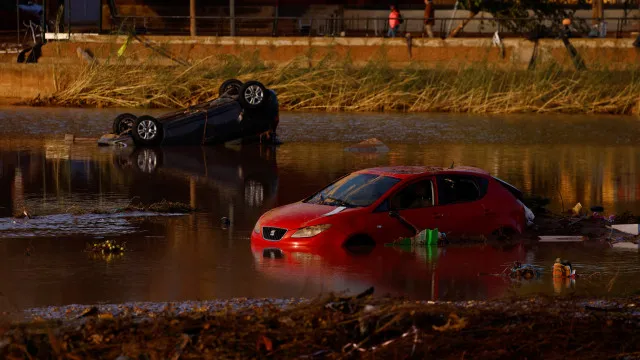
x,y
254,95
147,129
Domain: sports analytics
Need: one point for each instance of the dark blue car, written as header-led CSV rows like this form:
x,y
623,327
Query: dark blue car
x,y
244,111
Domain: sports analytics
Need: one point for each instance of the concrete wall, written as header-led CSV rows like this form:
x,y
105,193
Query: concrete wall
x,y
615,53
26,81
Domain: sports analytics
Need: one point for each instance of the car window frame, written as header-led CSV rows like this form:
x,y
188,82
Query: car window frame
x,y
305,200
384,205
476,178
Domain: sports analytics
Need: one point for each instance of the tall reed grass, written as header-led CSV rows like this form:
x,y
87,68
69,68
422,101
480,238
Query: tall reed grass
x,y
336,85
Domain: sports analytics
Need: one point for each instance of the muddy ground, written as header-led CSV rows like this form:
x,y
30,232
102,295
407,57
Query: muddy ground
x,y
334,327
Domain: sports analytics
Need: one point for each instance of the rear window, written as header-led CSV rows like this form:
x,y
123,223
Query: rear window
x,y
453,189
512,189
355,190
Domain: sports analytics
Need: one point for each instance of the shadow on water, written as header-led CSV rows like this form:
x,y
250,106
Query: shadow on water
x,y
197,256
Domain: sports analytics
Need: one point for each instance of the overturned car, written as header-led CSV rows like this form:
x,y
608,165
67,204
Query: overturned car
x,y
243,111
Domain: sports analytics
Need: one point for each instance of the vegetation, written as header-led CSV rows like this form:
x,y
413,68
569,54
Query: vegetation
x,y
333,327
333,85
163,207
524,16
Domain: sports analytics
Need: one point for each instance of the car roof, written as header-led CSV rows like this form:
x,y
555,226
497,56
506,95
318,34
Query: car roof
x,y
406,172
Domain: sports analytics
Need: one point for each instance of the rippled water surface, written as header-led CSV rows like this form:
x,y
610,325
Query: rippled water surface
x,y
592,160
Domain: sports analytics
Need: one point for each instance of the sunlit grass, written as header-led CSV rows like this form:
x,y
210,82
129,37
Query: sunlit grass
x,y
336,85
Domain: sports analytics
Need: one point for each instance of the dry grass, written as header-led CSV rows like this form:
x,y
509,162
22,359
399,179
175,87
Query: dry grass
x,y
336,85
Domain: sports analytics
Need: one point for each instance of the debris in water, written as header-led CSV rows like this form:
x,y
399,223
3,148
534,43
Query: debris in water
x,y
107,247
370,145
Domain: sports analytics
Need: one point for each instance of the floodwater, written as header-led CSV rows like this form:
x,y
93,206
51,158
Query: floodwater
x,y
592,160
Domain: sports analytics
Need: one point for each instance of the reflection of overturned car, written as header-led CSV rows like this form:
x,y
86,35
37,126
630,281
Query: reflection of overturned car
x,y
377,206
247,175
244,111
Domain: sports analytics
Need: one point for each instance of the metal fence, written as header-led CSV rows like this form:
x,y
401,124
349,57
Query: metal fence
x,y
354,27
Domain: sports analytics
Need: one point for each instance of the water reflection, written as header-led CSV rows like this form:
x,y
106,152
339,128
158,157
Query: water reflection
x,y
452,273
197,257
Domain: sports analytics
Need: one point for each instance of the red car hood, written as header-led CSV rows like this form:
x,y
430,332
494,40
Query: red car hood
x,y
297,214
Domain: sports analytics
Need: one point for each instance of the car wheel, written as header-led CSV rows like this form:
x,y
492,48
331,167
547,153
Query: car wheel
x,y
504,234
123,123
253,95
230,87
148,160
359,245
147,131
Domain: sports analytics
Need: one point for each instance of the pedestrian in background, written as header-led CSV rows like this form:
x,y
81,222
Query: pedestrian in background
x,y
394,22
429,17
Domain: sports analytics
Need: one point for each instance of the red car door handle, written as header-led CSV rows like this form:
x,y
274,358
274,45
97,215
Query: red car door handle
x,y
438,216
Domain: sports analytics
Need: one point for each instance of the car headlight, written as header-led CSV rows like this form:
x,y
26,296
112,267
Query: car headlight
x,y
256,229
310,231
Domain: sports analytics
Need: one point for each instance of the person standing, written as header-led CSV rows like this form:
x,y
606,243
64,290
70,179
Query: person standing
x,y
429,17
394,22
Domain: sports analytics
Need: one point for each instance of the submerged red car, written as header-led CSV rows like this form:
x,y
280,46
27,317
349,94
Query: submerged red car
x,y
379,205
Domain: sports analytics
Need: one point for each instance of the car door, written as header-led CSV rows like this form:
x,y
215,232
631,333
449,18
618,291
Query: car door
x,y
415,203
460,204
223,123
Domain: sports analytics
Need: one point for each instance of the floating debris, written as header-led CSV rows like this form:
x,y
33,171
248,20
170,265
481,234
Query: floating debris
x,y
107,247
370,146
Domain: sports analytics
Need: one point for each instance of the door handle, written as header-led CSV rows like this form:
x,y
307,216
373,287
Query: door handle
x,y
438,216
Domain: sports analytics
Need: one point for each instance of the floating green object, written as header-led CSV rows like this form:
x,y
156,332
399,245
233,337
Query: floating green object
x,y
427,237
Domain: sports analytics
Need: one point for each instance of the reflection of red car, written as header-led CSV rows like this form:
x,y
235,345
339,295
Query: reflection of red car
x,y
447,273
356,208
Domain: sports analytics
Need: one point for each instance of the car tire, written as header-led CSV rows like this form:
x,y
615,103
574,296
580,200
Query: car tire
x,y
230,87
253,95
147,160
147,131
123,123
504,234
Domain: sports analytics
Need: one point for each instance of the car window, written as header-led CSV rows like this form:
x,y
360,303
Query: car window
x,y
415,196
355,190
460,188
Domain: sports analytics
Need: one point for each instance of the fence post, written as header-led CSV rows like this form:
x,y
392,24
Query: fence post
x,y
192,13
18,20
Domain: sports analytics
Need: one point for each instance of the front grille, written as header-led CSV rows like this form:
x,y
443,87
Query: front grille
x,y
273,233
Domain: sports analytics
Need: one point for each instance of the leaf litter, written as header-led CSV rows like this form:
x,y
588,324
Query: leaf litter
x,y
340,327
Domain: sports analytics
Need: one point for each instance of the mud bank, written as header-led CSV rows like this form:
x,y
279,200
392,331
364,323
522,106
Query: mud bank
x,y
355,327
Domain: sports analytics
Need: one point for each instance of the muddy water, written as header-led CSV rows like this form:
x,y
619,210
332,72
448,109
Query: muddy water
x,y
593,160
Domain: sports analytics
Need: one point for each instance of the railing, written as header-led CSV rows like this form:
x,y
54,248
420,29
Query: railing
x,y
355,27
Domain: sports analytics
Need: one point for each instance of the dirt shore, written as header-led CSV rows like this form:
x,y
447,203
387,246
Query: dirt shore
x,y
333,327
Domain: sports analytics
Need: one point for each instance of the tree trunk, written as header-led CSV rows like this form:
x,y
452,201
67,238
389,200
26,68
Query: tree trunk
x,y
192,12
597,11
459,28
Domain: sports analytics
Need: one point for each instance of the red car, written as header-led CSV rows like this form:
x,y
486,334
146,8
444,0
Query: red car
x,y
363,208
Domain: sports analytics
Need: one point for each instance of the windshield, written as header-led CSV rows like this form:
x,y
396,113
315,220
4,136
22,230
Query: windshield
x,y
355,190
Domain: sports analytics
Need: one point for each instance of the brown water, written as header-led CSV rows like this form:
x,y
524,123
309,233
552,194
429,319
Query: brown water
x,y
593,160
